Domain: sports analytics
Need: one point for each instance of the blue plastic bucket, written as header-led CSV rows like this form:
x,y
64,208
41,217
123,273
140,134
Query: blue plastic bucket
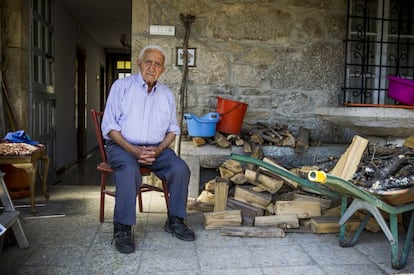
x,y
204,126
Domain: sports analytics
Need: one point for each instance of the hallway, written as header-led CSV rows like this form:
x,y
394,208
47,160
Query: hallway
x,y
69,239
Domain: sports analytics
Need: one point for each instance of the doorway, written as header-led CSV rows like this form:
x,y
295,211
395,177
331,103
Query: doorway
x,y
80,102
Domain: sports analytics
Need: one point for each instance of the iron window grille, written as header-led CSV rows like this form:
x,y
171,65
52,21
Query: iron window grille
x,y
379,42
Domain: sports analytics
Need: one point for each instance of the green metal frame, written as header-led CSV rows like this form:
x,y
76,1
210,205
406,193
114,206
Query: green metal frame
x,y
361,200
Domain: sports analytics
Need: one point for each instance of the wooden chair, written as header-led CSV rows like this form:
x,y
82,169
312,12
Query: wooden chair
x,y
105,169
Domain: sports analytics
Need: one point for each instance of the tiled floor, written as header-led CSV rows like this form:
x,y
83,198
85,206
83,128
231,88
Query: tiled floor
x,y
67,238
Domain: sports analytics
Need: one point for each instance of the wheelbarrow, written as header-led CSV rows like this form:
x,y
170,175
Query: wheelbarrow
x,y
339,188
372,203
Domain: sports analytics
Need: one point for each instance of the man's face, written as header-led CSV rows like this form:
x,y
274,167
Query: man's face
x,y
151,66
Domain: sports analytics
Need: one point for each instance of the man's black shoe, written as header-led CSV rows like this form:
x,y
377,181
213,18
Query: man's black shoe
x,y
124,240
177,226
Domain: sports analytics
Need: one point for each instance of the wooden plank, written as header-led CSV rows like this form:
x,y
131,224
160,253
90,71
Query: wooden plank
x,y
282,221
215,220
303,209
348,163
220,196
251,231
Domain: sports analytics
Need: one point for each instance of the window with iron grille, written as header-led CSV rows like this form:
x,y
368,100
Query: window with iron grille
x,y
379,43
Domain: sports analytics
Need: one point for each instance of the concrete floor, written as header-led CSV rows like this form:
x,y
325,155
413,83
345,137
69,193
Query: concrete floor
x,y
67,238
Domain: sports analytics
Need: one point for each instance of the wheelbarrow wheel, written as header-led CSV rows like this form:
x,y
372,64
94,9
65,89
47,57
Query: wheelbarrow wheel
x,y
406,217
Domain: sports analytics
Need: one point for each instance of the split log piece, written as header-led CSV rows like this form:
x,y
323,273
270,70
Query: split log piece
x,y
251,231
220,196
270,184
349,161
248,212
330,224
215,220
282,221
259,200
198,141
303,209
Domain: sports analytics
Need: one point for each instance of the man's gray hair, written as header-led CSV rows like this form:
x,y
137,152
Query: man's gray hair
x,y
151,47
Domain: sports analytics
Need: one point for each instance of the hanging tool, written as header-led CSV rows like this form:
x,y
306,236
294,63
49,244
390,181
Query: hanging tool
x,y
187,21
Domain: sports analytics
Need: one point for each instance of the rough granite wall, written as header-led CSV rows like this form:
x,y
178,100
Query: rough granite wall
x,y
283,58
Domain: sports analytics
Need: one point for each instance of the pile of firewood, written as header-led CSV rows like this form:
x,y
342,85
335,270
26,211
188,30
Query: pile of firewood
x,y
258,135
268,205
385,168
264,203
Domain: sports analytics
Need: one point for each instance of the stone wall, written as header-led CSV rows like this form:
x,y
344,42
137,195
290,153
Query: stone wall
x,y
14,64
284,58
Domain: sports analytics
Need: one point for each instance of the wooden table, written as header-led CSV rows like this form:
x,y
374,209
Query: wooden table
x,y
29,161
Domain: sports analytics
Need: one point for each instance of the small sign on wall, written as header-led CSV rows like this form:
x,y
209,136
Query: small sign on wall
x,y
191,57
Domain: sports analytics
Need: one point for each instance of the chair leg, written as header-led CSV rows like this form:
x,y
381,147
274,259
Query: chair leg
x,y
102,204
166,194
141,209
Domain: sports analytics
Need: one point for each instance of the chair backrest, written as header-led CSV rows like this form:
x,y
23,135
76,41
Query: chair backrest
x,y
97,118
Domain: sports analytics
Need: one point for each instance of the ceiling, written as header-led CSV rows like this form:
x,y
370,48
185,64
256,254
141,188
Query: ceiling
x,y
105,20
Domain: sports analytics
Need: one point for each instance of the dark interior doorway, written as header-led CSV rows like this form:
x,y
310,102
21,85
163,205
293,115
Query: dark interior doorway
x,y
80,102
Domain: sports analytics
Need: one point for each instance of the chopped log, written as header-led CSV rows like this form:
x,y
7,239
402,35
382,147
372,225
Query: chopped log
x,y
257,139
239,142
198,141
391,166
270,184
325,203
258,189
251,231
257,153
348,162
206,197
221,141
330,224
409,142
225,173
302,140
235,139
248,212
247,148
282,221
289,141
199,206
303,209
239,178
215,220
220,196
232,165
259,200
210,186
290,182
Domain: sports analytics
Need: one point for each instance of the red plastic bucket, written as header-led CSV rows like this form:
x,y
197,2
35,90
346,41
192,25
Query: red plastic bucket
x,y
231,115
